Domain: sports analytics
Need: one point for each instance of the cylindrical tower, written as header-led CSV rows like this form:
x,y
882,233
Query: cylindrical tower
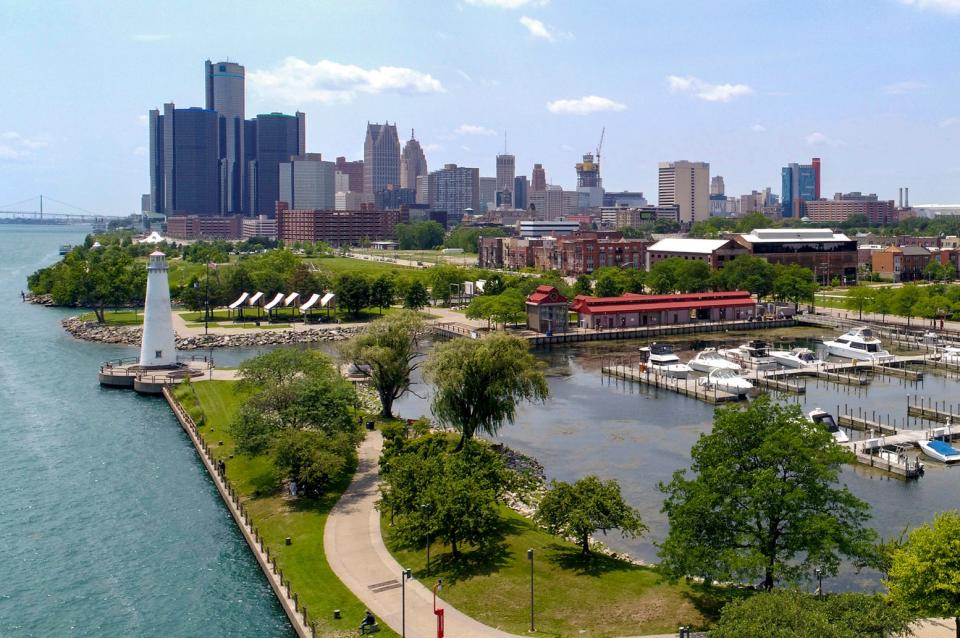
x,y
158,348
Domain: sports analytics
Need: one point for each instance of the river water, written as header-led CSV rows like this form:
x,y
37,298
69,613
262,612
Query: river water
x,y
109,525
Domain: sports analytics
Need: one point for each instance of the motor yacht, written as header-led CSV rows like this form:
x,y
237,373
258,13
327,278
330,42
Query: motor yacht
x,y
709,360
727,381
825,419
859,344
753,354
659,358
951,355
796,358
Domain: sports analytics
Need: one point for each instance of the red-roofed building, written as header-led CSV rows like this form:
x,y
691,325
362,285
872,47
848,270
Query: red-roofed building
x,y
547,310
632,310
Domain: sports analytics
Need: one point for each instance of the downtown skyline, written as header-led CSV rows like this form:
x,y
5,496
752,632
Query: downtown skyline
x,y
751,89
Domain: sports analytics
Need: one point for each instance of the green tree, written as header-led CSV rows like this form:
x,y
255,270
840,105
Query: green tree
x,y
416,297
280,367
578,510
479,382
443,281
386,353
583,286
353,293
382,292
419,235
883,301
795,614
693,276
763,501
664,276
439,495
468,238
313,459
794,283
858,299
924,573
609,284
746,272
905,299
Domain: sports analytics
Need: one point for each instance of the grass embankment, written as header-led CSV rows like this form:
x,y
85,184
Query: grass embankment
x,y
348,265
127,317
597,596
276,517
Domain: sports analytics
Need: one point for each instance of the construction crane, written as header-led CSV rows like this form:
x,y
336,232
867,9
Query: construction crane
x,y
600,145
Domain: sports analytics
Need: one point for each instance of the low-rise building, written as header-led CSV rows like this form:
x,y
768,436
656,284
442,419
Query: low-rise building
x,y
632,310
582,253
530,228
633,217
829,255
846,205
260,226
337,227
193,227
547,310
715,252
901,263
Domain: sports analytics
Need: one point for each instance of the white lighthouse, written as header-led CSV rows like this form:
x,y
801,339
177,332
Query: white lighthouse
x,y
158,348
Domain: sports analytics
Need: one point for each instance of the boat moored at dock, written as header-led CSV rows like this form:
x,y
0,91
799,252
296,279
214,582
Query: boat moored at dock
x,y
727,381
753,354
796,358
825,419
660,359
859,344
709,360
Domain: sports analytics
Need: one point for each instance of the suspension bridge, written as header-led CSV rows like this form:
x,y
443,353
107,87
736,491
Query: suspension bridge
x,y
37,210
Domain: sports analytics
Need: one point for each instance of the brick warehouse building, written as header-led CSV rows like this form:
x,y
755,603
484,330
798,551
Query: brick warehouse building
x,y
632,310
338,227
204,227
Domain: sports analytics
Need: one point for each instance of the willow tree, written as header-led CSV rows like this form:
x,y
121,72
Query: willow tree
x,y
386,352
478,383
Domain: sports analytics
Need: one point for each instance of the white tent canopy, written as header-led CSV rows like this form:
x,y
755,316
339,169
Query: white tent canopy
x,y
327,298
257,296
290,298
310,302
239,302
273,302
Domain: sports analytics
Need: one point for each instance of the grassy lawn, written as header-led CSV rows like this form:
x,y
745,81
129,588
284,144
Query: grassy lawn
x,y
117,317
277,517
341,265
598,596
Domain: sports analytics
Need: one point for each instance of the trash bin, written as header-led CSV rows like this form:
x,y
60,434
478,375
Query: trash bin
x,y
370,425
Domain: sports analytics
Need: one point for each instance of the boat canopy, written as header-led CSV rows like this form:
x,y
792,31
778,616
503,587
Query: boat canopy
x,y
310,302
273,302
239,301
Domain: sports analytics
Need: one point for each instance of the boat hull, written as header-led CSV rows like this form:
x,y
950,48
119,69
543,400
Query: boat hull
x,y
937,455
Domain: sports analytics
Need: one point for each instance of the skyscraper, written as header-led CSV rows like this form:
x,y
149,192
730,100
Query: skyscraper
x,y
276,138
538,180
506,171
413,163
354,170
185,161
520,188
225,95
306,181
716,185
800,185
589,182
685,185
454,189
381,158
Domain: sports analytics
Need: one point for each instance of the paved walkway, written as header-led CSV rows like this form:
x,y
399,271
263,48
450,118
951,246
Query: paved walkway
x,y
356,553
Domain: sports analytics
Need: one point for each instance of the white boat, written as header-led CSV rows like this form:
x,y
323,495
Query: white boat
x,y
709,360
659,358
796,358
940,450
825,419
753,354
951,355
930,338
859,344
727,381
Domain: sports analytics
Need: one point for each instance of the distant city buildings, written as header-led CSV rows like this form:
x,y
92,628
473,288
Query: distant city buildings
x,y
521,189
826,253
354,173
225,95
381,158
413,163
488,193
843,206
624,198
538,179
553,202
275,138
306,181
506,173
685,185
455,189
716,185
800,184
185,161
338,228
589,182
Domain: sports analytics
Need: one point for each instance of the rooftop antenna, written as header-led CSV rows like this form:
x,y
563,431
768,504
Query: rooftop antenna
x,y
411,133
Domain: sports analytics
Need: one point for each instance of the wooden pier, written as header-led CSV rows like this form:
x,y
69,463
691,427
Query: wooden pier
x,y
686,387
939,411
864,425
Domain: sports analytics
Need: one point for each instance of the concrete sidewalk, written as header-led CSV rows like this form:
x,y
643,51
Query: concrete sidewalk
x,y
356,553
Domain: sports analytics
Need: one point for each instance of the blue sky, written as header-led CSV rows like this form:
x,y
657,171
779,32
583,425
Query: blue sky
x,y
870,86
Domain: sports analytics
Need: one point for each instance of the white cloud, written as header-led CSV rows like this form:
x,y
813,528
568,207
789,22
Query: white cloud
x,y
473,129
150,37
508,4
432,148
585,105
464,75
14,146
819,139
758,128
950,121
902,88
537,28
296,81
706,91
945,6
140,151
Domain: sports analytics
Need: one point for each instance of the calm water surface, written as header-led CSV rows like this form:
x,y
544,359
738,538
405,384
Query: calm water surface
x,y
109,525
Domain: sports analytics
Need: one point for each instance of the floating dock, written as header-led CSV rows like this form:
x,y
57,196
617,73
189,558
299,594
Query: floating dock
x,y
687,387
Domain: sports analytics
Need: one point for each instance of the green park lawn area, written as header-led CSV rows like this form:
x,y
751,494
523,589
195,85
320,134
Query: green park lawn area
x,y
276,517
596,596
126,317
343,265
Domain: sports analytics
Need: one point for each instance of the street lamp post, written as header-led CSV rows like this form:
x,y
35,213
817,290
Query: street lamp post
x,y
530,558
404,575
819,574
424,510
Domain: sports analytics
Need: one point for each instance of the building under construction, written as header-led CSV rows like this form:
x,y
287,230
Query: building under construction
x,y
589,182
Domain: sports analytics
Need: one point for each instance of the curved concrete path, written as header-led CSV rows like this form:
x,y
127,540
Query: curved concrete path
x,y
357,555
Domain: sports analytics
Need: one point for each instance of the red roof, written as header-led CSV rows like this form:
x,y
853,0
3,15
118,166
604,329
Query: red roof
x,y
585,308
546,294
634,299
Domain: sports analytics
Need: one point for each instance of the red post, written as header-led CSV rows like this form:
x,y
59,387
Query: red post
x,y
438,612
